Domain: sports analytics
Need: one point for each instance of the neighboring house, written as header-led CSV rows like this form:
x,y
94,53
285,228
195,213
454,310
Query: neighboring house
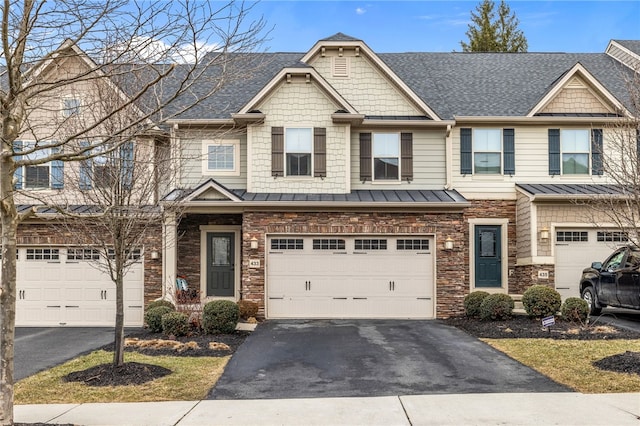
x,y
345,183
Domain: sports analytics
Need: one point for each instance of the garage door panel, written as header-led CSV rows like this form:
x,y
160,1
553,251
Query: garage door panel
x,y
380,282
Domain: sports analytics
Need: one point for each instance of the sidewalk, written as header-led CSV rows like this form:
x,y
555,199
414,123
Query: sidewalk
x,y
460,409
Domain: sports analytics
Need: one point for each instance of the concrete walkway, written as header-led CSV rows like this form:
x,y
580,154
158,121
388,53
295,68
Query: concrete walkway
x,y
468,409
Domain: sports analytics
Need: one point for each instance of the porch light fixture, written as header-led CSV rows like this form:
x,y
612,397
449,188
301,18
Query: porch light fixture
x,y
155,255
544,234
448,243
253,243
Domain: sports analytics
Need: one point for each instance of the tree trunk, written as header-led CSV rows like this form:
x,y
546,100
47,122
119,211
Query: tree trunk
x,y
9,223
118,353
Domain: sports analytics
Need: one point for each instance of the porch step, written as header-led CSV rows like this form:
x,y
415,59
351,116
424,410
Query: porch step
x,y
518,308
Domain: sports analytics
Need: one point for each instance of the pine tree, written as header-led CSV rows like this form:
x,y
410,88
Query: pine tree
x,y
488,33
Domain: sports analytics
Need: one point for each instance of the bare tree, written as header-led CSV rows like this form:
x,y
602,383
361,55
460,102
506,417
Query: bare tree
x,y
58,59
619,205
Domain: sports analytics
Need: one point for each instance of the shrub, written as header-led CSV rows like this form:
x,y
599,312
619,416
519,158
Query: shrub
x,y
153,317
472,302
220,316
175,324
575,309
541,301
496,307
157,303
247,309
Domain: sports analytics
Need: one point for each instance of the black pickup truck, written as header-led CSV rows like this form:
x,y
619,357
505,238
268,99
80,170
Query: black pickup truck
x,y
616,282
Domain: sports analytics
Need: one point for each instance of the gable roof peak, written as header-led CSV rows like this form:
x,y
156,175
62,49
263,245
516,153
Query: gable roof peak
x,y
340,37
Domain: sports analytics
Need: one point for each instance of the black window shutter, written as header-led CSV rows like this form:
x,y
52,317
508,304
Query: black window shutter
x,y
509,151
319,152
466,152
277,151
406,156
596,152
365,156
554,152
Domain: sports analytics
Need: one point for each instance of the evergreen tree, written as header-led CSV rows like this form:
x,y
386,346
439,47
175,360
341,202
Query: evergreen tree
x,y
488,33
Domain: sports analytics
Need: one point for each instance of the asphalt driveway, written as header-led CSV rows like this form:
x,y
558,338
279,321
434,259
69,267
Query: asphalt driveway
x,y
40,348
352,358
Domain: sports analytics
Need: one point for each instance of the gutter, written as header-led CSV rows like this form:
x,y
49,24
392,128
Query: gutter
x,y
536,120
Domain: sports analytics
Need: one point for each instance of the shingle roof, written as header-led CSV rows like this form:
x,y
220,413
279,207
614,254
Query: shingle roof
x,y
340,37
632,45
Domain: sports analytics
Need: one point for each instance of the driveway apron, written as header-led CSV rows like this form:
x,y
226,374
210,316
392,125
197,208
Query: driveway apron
x,y
353,358
40,348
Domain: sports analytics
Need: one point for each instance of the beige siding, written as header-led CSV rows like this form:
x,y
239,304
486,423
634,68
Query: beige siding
x,y
366,88
429,171
298,104
532,165
190,165
576,96
523,226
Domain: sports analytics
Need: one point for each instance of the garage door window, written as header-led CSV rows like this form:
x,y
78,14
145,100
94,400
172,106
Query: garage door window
x,y
82,253
612,236
134,254
328,244
412,245
287,244
43,254
572,236
370,244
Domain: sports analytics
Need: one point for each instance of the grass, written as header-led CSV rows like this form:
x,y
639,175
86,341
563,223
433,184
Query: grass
x,y
569,361
192,378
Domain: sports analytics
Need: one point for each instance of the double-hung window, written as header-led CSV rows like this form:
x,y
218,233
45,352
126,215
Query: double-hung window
x,y
70,106
221,157
38,175
298,151
386,156
487,151
575,146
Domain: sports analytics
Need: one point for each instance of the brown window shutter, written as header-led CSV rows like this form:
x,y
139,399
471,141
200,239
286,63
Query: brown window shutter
x,y
406,156
277,151
319,152
365,156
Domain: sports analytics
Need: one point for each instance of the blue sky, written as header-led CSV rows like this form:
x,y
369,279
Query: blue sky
x,y
439,26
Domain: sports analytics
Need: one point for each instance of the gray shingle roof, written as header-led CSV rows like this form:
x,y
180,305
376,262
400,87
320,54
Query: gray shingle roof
x,y
340,37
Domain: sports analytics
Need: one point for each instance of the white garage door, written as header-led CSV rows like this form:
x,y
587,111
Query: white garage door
x,y
576,249
350,277
58,286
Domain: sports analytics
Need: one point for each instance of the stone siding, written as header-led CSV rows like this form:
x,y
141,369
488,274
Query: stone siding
x,y
527,275
451,269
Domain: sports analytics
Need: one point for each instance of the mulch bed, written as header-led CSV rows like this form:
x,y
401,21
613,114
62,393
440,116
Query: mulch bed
x,y
522,327
156,344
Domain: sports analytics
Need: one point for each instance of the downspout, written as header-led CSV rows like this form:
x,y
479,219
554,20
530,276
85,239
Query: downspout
x,y
448,163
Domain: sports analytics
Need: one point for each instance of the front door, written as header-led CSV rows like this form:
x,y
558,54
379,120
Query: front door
x,y
220,264
488,256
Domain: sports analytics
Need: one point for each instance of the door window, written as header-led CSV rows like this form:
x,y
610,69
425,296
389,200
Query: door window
x,y
614,261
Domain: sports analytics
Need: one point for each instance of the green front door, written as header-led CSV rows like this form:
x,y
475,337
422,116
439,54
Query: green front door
x,y
488,256
220,264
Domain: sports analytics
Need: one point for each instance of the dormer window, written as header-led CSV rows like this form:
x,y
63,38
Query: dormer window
x,y
70,106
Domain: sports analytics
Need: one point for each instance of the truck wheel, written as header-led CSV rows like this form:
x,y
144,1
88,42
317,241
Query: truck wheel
x,y
589,296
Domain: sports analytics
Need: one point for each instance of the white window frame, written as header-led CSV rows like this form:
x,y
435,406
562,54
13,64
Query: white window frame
x,y
234,143
373,158
68,112
41,153
286,152
475,151
563,152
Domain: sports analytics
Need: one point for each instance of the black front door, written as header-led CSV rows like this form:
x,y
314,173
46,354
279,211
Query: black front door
x,y
220,264
488,256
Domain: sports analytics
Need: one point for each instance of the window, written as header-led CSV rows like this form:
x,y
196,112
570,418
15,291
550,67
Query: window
x,y
70,107
572,236
287,244
115,167
612,236
134,254
43,254
386,156
412,245
82,253
487,151
39,176
328,244
298,151
575,147
373,244
221,157
615,261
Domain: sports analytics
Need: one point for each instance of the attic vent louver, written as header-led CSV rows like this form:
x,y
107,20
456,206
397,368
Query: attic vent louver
x,y
340,66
